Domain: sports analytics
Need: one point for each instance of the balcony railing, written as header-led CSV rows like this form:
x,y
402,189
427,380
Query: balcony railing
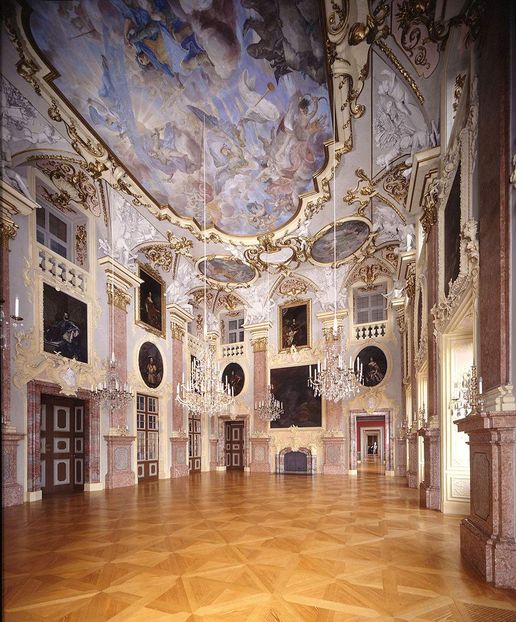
x,y
62,271
374,330
230,350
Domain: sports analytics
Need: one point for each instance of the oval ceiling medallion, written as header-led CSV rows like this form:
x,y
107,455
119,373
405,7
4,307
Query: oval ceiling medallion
x,y
350,235
226,269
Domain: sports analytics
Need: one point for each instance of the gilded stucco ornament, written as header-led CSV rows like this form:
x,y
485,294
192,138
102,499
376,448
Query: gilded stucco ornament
x,y
32,363
410,287
467,281
430,205
25,66
117,296
163,254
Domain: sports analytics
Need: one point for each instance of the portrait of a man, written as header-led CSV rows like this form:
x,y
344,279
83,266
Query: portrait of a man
x,y
65,325
151,304
294,325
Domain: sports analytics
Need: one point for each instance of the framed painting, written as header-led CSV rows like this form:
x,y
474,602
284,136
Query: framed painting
x,y
150,307
150,363
65,324
294,325
234,376
300,406
374,365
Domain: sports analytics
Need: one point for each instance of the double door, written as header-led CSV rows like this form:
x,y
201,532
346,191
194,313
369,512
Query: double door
x,y
234,444
62,445
147,434
194,443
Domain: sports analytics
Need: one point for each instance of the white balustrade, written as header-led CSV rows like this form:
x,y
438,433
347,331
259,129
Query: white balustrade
x,y
231,350
373,330
63,272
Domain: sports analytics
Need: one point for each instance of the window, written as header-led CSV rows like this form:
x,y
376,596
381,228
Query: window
x,y
147,436
53,231
236,330
370,306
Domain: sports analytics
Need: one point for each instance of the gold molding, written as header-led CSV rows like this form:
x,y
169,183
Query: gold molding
x,y
117,296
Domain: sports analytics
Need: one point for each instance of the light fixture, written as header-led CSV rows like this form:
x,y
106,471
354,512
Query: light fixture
x,y
204,391
16,321
111,390
269,409
333,380
467,397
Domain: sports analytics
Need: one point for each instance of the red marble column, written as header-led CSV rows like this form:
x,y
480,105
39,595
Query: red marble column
x,y
119,442
412,467
488,534
179,438
430,487
12,492
260,439
493,166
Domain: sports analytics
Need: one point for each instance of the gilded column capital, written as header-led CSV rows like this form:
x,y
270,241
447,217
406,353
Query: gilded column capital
x,y
117,296
179,319
8,230
327,319
177,330
119,281
260,344
259,334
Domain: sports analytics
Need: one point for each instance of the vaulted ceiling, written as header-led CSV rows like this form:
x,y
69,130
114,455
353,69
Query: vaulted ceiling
x,y
235,132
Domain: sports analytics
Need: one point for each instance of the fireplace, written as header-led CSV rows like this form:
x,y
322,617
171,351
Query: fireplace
x,y
295,461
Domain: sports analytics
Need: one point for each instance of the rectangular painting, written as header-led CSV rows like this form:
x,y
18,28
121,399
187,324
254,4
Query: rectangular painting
x,y
65,325
300,406
150,309
294,325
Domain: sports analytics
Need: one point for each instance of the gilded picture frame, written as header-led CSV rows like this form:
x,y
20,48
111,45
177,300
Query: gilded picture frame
x,y
294,325
150,309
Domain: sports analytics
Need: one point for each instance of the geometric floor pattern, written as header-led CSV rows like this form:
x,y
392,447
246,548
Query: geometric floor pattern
x,y
238,547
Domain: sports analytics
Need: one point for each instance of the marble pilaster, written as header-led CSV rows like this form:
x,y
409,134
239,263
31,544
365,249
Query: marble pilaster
x,y
430,487
412,467
179,319
119,282
488,534
12,203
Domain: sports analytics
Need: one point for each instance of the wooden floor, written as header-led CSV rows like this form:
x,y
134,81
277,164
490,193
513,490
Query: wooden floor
x,y
232,546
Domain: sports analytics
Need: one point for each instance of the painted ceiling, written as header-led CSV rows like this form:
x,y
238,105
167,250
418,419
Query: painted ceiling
x,y
233,89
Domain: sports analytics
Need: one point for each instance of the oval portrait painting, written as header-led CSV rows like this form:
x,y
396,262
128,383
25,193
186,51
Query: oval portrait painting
x,y
234,376
374,365
150,363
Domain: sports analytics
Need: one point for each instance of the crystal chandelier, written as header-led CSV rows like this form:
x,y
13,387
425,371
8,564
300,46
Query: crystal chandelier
x,y
269,409
112,391
333,380
204,391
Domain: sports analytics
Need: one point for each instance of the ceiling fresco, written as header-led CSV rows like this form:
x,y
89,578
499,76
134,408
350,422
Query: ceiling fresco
x,y
226,270
349,237
167,84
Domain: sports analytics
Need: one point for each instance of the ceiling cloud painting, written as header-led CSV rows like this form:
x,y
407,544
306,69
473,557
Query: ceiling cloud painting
x,y
150,76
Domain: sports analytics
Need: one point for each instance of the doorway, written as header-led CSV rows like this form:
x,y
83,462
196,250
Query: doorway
x,y
234,444
62,445
147,431
194,443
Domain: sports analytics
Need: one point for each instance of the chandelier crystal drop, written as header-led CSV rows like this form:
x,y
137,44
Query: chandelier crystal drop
x,y
112,390
333,380
269,409
204,391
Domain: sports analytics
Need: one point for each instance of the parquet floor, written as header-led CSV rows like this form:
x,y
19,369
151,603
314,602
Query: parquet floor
x,y
232,546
